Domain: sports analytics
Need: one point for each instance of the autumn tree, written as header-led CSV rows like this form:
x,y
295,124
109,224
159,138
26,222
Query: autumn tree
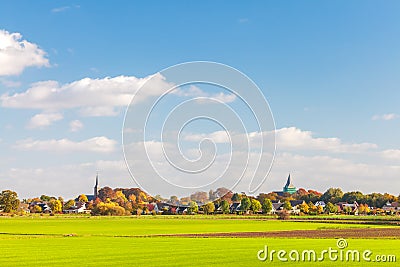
x,y
120,198
142,198
57,207
304,208
363,209
83,198
69,204
132,198
193,208
106,192
9,201
209,208
110,208
36,209
255,205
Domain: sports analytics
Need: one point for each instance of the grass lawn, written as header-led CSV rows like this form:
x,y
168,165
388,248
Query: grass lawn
x,y
148,225
123,241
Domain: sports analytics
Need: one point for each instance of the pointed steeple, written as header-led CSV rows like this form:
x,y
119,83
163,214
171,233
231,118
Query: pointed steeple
x,y
288,182
289,187
95,186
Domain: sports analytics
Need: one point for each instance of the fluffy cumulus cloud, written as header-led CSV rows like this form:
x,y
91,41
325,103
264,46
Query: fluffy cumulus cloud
x,y
43,120
293,138
100,144
93,97
309,168
17,54
99,97
287,139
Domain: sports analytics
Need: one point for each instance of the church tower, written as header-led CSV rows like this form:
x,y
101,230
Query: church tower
x,y
95,187
289,187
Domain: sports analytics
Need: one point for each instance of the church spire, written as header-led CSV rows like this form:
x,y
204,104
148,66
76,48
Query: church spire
x,y
289,187
289,181
95,186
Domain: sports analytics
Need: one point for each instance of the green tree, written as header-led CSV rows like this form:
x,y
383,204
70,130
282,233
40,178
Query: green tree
x,y
69,204
236,197
209,208
225,206
333,195
9,201
287,206
350,197
193,208
255,205
267,206
331,208
83,198
347,210
45,198
245,204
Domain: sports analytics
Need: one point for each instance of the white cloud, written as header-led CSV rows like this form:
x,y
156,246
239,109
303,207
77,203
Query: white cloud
x,y
96,144
94,97
294,138
194,91
75,126
286,139
217,137
43,120
385,117
17,54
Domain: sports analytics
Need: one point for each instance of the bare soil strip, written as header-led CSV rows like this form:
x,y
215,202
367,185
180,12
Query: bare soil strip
x,y
323,233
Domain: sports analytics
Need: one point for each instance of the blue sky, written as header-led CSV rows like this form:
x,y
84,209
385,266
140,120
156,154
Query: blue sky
x,y
328,70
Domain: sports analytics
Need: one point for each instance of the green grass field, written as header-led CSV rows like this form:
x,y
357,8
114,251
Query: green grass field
x,y
124,241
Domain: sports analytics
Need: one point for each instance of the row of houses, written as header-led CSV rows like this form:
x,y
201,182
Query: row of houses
x,y
235,207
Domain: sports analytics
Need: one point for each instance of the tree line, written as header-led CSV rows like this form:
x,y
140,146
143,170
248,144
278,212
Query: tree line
x,y
126,201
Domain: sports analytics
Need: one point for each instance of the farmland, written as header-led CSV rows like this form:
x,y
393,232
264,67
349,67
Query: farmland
x,y
167,241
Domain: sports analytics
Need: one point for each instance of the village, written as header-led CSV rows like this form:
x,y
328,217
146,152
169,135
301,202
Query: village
x,y
134,201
